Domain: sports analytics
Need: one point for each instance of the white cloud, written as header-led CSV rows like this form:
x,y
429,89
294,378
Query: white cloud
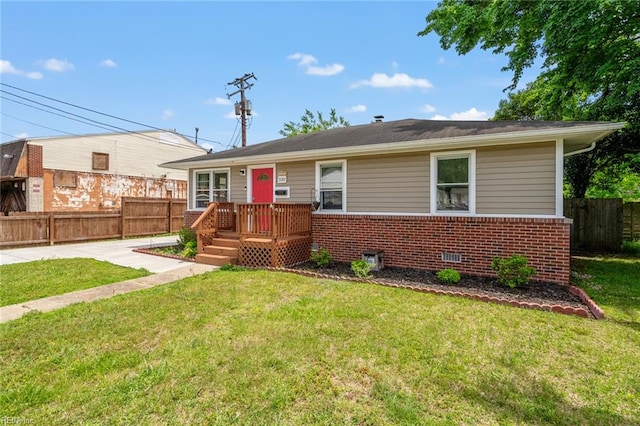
x,y
57,65
303,59
108,63
470,115
427,109
206,145
231,114
394,65
7,68
326,70
306,61
396,80
167,113
23,135
34,75
217,101
441,60
357,108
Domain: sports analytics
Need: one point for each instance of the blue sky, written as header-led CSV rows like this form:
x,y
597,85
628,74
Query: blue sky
x,y
167,65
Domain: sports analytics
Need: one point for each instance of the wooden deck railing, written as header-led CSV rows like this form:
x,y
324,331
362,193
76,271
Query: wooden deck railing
x,y
274,220
217,216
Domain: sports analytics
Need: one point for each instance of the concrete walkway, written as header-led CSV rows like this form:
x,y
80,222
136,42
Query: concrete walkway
x,y
118,252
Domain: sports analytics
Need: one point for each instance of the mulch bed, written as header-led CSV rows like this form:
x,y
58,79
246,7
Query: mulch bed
x,y
535,295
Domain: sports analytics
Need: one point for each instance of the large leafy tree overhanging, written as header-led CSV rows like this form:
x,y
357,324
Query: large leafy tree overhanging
x,y
310,123
590,71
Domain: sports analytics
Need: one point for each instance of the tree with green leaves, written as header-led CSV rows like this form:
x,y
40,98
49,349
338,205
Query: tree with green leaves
x,y
311,122
590,71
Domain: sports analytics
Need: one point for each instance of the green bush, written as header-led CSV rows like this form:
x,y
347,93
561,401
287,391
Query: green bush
x,y
361,268
186,235
631,247
190,249
448,276
321,258
513,271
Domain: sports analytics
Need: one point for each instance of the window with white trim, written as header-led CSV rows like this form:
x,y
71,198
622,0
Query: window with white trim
x,y
453,182
210,186
331,182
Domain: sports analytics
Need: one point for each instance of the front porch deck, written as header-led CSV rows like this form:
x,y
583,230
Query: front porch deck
x,y
270,234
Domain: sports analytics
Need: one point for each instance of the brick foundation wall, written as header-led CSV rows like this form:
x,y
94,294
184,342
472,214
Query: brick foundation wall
x,y
413,241
190,216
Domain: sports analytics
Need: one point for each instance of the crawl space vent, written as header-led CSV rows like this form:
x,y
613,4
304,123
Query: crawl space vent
x,y
452,257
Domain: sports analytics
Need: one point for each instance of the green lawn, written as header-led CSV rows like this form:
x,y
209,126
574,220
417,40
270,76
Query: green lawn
x,y
21,282
613,283
258,347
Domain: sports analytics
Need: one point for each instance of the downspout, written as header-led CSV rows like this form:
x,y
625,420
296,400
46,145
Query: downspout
x,y
580,151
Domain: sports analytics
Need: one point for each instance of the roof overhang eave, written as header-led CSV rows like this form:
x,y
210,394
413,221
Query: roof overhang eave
x,y
583,135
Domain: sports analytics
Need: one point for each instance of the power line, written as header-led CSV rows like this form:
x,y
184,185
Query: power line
x,y
36,124
98,112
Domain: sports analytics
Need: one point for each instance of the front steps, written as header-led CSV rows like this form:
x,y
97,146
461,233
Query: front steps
x,y
221,252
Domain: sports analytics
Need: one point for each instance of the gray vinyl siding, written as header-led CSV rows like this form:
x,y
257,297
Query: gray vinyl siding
x,y
516,179
238,183
394,184
301,180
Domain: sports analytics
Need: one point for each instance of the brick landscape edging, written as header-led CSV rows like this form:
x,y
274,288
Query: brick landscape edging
x,y
594,310
169,256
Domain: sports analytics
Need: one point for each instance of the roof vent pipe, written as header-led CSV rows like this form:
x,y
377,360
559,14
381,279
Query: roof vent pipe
x,y
378,118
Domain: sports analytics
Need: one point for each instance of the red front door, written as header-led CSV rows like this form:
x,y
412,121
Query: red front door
x,y
262,192
262,185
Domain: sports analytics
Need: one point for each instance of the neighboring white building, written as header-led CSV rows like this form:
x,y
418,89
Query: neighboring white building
x,y
92,172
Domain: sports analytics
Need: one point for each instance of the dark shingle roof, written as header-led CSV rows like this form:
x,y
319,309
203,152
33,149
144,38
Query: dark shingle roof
x,y
384,132
10,154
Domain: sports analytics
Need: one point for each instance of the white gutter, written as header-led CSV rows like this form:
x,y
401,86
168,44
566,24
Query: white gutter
x,y
580,151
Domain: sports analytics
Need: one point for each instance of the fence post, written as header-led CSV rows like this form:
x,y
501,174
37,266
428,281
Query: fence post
x,y
122,222
52,228
170,215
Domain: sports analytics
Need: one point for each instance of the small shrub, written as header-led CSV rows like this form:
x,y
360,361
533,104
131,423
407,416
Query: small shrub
x,y
631,247
448,276
190,249
186,235
513,271
321,258
361,268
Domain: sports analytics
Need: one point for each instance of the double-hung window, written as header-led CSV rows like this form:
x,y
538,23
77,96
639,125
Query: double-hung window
x,y
210,186
453,182
331,178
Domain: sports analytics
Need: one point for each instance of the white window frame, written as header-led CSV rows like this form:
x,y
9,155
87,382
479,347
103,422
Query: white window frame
x,y
211,186
325,163
435,156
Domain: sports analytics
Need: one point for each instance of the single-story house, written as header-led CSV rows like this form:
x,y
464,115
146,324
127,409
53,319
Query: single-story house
x,y
91,172
429,194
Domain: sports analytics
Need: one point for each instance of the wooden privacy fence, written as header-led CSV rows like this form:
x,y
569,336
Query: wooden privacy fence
x,y
602,224
631,221
137,217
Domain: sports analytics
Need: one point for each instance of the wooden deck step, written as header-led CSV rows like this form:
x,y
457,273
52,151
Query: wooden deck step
x,y
225,242
215,259
222,250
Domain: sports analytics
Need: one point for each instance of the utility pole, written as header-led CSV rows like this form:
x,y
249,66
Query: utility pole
x,y
243,108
